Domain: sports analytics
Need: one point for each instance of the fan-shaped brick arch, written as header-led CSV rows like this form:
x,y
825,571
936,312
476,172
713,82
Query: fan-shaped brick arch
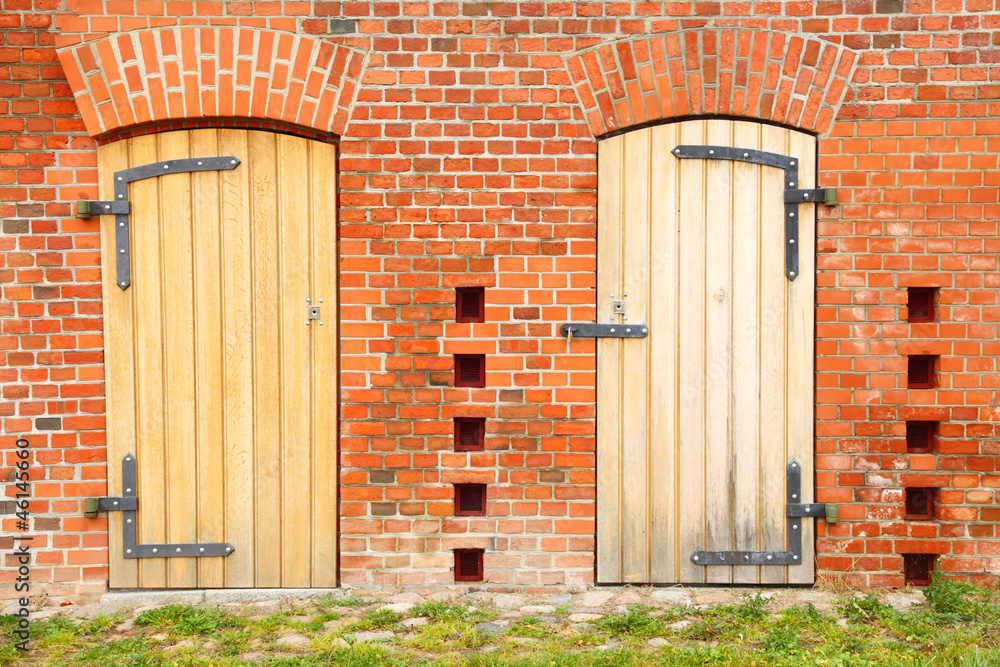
x,y
794,80
203,72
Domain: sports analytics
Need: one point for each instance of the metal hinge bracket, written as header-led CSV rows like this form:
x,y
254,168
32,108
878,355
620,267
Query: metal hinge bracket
x,y
793,195
120,208
129,504
795,510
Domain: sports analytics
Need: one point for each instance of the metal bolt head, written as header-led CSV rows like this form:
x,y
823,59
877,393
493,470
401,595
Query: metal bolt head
x,y
791,241
121,224
228,549
792,163
612,330
232,162
794,496
122,251
128,520
769,556
119,179
128,551
107,207
791,215
122,284
121,196
201,550
200,163
178,549
746,155
128,490
154,550
116,503
711,152
321,323
795,557
166,166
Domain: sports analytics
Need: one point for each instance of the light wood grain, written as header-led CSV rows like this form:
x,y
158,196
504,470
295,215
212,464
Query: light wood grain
x,y
746,353
800,336
719,483
119,365
635,358
774,369
239,333
609,464
691,346
662,345
209,414
178,340
294,252
322,213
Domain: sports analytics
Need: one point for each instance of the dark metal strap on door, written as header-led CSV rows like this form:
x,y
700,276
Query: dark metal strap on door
x,y
591,330
793,196
128,504
120,206
794,510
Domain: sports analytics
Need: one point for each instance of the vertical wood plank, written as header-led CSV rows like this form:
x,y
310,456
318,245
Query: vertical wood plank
x,y
662,344
634,358
146,288
746,346
719,491
800,336
609,471
209,414
119,366
773,411
691,352
178,351
322,214
238,329
293,244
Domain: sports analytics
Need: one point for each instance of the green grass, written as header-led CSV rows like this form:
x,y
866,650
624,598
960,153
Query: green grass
x,y
958,627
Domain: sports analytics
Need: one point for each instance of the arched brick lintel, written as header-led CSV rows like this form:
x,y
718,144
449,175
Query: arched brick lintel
x,y
175,73
758,74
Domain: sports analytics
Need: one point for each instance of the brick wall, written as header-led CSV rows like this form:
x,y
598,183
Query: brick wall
x,y
469,159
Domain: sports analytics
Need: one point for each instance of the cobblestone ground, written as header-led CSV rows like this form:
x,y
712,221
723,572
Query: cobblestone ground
x,y
503,617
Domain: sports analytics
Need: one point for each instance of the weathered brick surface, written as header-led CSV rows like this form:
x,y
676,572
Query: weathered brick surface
x,y
468,157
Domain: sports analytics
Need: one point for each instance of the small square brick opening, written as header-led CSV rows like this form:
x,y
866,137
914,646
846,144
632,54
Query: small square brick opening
x,y
919,503
920,304
917,569
468,564
920,372
470,304
470,370
470,500
470,434
919,437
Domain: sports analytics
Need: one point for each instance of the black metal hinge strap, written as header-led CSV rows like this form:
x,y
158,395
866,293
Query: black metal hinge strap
x,y
120,206
793,196
591,330
128,504
795,509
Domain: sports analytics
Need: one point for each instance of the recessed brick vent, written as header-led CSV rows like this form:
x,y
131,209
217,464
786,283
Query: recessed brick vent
x,y
917,568
920,304
470,370
470,304
919,437
470,434
468,564
920,372
470,500
919,504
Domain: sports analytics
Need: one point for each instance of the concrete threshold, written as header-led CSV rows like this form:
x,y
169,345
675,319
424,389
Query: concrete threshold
x,y
146,598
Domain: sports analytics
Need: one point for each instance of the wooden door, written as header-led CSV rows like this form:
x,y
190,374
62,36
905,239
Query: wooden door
x,y
214,381
697,422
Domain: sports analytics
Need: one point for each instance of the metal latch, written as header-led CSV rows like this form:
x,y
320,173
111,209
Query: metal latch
x,y
795,510
313,312
591,330
129,504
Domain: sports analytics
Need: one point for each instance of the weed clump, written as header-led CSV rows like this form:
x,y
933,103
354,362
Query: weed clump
x,y
185,619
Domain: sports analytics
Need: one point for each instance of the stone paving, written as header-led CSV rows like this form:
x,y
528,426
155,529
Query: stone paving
x,y
581,607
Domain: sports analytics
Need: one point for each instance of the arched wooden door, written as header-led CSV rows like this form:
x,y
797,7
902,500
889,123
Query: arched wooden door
x,y
699,422
218,383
